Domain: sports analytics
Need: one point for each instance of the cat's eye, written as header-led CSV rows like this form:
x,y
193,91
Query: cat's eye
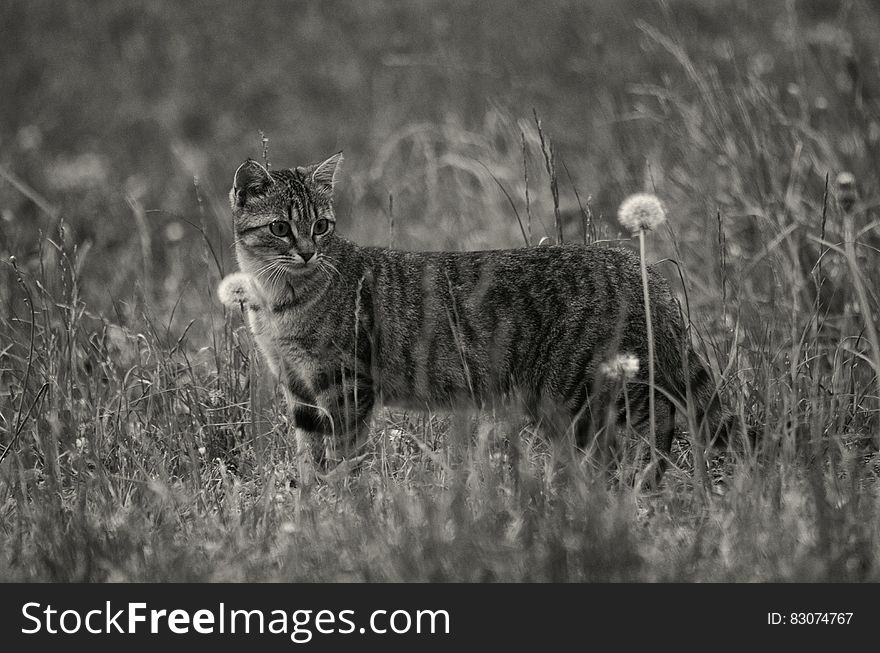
x,y
280,228
320,227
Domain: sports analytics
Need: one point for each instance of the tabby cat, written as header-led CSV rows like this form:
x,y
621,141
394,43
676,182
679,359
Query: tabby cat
x,y
345,327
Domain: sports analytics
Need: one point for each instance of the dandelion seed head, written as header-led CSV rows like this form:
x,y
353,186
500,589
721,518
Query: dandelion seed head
x,y
846,180
847,194
174,232
622,366
235,290
641,211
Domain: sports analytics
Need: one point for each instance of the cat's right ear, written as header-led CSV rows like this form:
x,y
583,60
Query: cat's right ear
x,y
250,179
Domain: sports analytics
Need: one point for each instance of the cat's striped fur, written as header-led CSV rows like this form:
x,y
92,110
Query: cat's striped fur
x,y
345,326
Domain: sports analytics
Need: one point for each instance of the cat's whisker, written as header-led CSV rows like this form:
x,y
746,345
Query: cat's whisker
x,y
271,272
265,268
277,275
266,273
324,265
331,261
330,258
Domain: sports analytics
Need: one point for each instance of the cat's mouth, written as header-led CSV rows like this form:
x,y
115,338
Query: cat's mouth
x,y
299,266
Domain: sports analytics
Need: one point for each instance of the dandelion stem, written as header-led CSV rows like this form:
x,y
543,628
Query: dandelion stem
x,y
652,418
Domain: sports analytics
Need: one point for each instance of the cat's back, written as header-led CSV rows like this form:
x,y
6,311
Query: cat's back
x,y
517,256
556,273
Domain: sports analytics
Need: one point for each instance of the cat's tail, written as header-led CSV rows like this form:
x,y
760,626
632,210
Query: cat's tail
x,y
717,426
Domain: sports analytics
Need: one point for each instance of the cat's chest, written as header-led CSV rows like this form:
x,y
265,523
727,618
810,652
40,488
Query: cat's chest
x,y
302,329
281,323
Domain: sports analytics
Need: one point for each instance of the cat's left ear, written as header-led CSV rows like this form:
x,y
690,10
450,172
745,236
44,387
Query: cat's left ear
x,y
323,175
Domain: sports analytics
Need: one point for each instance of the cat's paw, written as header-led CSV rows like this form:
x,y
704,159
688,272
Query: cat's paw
x,y
237,290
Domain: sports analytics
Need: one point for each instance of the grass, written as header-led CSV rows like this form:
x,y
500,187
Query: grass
x,y
142,440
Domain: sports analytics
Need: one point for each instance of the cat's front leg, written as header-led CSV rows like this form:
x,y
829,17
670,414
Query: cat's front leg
x,y
331,412
240,291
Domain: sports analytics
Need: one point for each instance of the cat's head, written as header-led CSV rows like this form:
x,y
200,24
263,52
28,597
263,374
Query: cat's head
x,y
284,218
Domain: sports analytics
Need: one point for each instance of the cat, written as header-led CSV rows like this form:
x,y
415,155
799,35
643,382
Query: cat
x,y
345,327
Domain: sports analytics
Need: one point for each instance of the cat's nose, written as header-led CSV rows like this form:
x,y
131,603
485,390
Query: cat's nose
x,y
306,256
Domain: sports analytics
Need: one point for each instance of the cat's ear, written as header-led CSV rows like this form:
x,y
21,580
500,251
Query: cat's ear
x,y
250,178
323,175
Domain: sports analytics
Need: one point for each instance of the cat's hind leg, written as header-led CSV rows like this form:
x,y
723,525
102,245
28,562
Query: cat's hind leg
x,y
658,460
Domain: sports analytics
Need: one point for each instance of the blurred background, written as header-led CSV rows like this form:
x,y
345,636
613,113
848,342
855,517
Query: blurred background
x,y
124,121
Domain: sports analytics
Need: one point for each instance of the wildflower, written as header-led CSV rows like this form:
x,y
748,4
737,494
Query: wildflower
x,y
202,451
174,232
847,194
622,366
641,211
235,290
396,434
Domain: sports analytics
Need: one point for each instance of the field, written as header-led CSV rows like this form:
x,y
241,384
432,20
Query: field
x,y
141,437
